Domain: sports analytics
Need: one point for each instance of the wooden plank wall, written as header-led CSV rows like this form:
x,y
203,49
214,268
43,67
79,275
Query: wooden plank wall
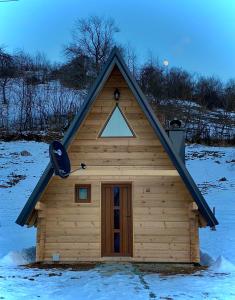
x,y
144,150
162,223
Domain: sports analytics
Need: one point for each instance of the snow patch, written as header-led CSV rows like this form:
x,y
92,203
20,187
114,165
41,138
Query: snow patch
x,y
222,265
15,258
206,259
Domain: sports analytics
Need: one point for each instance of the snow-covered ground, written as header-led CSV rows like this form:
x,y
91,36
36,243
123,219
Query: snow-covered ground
x,y
213,168
28,169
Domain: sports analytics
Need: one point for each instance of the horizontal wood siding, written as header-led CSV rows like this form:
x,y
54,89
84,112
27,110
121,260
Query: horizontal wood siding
x,y
161,223
144,150
161,220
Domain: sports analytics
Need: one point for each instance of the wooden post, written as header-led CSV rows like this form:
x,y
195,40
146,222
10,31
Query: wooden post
x,y
41,232
194,235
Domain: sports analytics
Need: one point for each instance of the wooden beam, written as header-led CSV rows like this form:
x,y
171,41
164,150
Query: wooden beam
x,y
122,172
193,206
40,206
33,219
202,222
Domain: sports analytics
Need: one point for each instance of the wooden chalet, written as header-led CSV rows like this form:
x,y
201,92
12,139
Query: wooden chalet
x,y
135,201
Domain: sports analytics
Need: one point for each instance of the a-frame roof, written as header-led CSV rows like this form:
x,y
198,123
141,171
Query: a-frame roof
x,y
116,59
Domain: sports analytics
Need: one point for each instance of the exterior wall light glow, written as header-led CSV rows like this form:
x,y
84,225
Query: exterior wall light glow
x,y
116,94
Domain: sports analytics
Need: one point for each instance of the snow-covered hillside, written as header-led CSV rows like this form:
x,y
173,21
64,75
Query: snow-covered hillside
x,y
38,107
19,173
213,168
215,124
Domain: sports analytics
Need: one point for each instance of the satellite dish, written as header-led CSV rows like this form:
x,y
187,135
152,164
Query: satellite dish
x,y
60,160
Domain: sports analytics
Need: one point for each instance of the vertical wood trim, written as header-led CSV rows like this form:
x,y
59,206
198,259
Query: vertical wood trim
x,y
105,219
197,250
41,235
38,241
123,221
102,237
127,221
130,221
194,236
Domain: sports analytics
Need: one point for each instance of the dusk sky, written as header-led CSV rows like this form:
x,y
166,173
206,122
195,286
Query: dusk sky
x,y
197,35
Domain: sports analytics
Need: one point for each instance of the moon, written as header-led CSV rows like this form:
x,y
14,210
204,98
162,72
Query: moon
x,y
165,62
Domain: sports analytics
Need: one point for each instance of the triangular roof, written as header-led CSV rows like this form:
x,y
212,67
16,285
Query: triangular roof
x,y
116,59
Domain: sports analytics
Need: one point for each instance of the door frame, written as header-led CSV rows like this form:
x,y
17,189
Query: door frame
x,y
117,183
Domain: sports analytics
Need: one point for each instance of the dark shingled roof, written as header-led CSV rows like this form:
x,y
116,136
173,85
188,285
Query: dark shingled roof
x,y
116,59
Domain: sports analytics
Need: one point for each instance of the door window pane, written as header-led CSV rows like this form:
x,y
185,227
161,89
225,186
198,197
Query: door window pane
x,y
117,242
116,218
116,196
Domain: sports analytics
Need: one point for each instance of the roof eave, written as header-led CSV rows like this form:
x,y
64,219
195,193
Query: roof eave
x,y
38,190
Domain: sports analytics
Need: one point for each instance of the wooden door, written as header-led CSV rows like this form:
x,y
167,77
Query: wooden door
x,y
116,220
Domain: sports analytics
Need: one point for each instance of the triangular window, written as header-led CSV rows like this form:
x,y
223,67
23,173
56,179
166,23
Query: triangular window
x,y
116,125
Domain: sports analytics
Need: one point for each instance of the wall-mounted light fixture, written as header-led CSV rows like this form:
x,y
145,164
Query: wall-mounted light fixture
x,y
116,94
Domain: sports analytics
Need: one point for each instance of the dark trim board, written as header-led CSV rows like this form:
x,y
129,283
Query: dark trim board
x,y
116,59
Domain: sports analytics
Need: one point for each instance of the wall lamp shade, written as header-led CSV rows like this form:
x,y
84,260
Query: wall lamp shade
x,y
116,94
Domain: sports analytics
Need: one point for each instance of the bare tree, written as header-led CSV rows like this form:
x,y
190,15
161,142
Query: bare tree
x,y
42,66
7,72
131,59
92,37
209,92
229,97
75,73
152,81
179,84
